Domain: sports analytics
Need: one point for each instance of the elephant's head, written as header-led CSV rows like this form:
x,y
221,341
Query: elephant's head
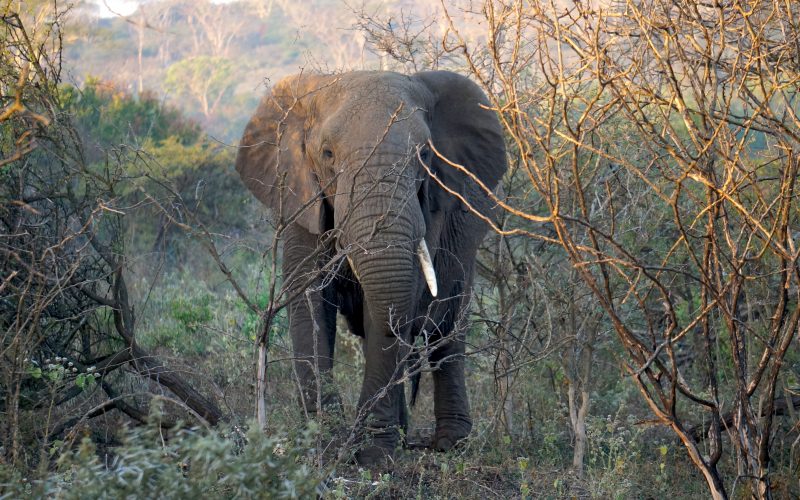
x,y
346,153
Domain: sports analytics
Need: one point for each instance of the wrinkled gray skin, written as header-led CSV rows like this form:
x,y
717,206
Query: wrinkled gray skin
x,y
326,146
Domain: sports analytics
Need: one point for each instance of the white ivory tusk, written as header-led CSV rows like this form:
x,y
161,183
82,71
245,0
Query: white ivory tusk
x,y
352,267
427,266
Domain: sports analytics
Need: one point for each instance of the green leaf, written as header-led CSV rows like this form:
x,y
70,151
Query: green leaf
x,y
57,444
55,374
84,380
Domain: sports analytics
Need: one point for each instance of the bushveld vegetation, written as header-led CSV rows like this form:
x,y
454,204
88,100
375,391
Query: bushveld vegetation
x,y
634,321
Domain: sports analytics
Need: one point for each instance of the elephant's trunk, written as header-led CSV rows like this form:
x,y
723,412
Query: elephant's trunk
x,y
382,231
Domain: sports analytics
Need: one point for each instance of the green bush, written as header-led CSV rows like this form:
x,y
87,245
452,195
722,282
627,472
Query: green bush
x,y
192,464
181,323
191,313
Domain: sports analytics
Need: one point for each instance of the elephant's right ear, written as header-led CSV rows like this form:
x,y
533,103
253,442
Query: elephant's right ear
x,y
272,161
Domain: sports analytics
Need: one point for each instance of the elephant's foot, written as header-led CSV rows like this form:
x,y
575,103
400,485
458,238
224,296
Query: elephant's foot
x,y
449,433
378,450
374,456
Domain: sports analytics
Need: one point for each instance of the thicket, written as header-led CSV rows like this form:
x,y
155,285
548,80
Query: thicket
x,y
659,150
94,186
634,320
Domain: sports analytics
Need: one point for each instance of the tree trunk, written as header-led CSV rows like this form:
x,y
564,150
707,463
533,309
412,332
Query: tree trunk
x,y
504,387
577,415
579,369
261,386
505,359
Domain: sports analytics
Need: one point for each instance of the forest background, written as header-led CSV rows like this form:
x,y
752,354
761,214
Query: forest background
x,y
635,313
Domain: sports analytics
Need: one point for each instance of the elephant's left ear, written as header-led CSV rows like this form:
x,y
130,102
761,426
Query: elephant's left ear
x,y
465,131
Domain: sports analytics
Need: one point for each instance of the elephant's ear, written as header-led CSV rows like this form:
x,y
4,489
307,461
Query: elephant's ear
x,y
465,131
272,161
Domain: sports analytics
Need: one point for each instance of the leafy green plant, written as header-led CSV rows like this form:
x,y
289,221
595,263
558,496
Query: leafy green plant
x,y
191,313
109,116
230,464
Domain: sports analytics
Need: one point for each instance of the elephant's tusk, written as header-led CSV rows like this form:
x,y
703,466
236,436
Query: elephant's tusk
x,y
427,266
352,267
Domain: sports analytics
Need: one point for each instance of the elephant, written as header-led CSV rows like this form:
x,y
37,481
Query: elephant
x,y
381,184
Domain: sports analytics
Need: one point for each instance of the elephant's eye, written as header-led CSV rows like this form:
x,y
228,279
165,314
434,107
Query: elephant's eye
x,y
327,153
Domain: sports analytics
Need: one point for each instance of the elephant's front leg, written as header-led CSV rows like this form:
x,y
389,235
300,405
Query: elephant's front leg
x,y
382,401
451,405
312,320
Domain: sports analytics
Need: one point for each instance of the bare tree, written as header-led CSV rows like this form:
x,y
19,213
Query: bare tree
x,y
709,93
67,322
207,80
212,27
340,46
